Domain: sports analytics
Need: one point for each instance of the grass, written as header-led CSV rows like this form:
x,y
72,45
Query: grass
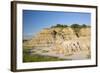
x,y
27,57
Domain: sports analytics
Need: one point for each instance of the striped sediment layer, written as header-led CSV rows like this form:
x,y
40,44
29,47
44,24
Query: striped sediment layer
x,y
62,43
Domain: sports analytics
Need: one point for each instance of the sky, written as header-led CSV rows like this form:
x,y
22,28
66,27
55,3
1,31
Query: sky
x,y
34,21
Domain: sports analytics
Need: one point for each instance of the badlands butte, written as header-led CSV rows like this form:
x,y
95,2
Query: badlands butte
x,y
64,43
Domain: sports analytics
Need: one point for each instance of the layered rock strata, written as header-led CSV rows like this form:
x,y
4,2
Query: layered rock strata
x,y
62,43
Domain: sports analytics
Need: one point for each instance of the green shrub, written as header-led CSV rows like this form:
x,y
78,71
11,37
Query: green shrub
x,y
84,26
59,25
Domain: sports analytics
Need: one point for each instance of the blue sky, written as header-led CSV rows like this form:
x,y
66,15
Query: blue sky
x,y
34,21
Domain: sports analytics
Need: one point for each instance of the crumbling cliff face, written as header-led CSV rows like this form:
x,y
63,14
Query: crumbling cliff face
x,y
62,42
